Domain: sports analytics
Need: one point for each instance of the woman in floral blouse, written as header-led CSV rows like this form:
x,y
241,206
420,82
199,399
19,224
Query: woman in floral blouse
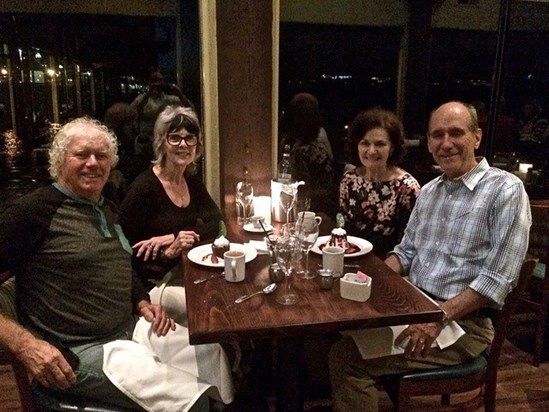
x,y
377,197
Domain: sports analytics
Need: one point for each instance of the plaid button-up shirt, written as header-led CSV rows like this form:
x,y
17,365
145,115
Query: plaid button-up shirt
x,y
470,232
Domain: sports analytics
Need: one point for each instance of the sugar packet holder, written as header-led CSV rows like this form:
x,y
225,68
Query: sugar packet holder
x,y
356,286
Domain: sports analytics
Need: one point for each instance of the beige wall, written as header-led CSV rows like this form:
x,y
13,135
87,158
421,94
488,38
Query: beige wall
x,y
370,12
126,7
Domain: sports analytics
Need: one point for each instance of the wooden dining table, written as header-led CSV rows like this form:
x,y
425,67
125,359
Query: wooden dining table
x,y
213,315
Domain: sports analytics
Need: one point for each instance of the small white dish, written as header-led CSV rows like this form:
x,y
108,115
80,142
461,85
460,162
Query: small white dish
x,y
249,227
351,289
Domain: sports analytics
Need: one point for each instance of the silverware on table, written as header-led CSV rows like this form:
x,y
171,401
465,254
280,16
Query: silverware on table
x,y
267,290
215,275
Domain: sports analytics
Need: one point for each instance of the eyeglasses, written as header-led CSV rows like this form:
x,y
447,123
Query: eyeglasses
x,y
174,139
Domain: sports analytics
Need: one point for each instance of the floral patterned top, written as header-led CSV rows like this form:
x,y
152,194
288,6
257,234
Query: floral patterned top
x,y
377,211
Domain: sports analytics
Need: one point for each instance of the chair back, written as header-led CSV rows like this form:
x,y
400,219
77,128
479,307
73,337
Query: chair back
x,y
536,298
539,231
502,326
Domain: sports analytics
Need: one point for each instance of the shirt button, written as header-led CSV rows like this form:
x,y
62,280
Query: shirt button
x,y
437,243
428,264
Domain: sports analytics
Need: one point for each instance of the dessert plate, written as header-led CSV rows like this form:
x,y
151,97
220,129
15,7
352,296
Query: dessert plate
x,y
363,245
202,255
249,227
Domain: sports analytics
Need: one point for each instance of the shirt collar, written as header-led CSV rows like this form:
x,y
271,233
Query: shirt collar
x,y
76,198
472,177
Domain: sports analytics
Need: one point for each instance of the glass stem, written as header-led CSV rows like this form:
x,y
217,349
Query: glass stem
x,y
288,282
307,262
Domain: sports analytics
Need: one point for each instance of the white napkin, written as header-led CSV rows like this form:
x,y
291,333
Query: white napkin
x,y
167,373
260,246
378,342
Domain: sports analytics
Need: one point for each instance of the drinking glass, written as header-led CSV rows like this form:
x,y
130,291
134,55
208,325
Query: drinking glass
x,y
307,233
288,253
244,200
288,195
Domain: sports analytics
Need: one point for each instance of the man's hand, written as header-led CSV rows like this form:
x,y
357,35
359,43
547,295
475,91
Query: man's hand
x,y
417,339
46,364
156,314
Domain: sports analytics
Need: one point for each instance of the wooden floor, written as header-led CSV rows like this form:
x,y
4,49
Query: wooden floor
x,y
521,386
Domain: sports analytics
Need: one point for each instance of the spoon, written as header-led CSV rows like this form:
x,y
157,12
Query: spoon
x,y
216,275
266,290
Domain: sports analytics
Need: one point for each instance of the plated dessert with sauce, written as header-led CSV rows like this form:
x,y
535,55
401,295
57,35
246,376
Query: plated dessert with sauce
x,y
354,246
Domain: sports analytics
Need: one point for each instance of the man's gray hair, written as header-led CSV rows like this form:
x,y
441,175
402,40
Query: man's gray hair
x,y
80,127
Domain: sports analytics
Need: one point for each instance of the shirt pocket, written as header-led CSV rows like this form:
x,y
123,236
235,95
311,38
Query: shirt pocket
x,y
469,232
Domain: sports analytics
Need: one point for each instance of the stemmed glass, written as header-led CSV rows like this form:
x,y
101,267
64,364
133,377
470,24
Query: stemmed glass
x,y
288,195
307,232
244,199
287,253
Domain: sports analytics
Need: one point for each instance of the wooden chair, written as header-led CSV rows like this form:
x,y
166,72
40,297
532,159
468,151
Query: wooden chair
x,y
479,375
33,397
536,297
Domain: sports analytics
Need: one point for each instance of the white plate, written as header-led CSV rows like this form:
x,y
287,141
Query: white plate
x,y
363,244
198,254
249,227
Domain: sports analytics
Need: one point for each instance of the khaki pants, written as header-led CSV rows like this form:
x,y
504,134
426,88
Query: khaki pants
x,y
353,378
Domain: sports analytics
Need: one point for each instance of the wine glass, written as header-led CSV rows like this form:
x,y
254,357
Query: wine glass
x,y
288,253
307,232
288,195
244,200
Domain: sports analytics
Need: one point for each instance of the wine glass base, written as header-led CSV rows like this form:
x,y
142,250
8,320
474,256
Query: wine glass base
x,y
287,299
307,274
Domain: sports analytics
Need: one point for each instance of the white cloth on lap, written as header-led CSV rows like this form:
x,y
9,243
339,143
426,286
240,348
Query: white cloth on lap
x,y
167,373
173,299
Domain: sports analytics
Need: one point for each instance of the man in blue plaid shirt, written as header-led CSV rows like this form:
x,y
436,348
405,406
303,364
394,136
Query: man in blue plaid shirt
x,y
464,245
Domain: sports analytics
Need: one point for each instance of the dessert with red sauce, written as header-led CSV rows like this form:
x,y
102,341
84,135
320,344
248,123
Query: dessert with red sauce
x,y
338,238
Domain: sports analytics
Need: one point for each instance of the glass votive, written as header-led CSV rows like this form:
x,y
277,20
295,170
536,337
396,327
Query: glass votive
x,y
325,279
276,274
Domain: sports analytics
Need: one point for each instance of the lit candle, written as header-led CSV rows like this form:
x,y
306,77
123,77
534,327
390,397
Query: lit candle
x,y
523,167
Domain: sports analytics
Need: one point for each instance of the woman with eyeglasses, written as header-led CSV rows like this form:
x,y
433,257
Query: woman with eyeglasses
x,y
168,208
